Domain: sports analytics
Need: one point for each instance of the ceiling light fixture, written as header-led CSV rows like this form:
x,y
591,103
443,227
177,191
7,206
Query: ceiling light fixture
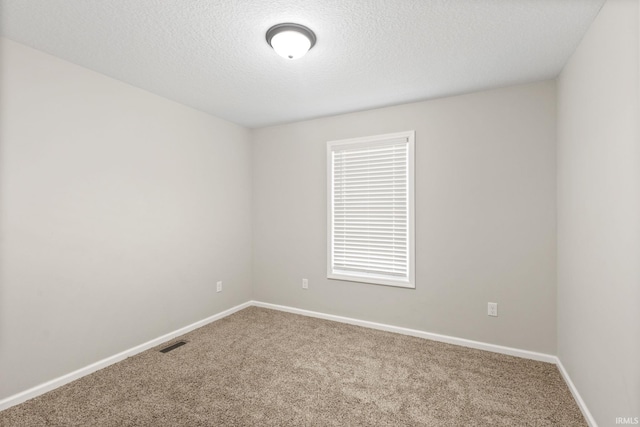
x,y
291,41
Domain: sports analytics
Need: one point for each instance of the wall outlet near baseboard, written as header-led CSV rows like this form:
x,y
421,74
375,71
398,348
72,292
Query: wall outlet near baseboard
x,y
219,287
305,283
492,309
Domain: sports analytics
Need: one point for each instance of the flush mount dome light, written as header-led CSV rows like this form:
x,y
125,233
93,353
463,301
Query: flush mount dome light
x,y
291,41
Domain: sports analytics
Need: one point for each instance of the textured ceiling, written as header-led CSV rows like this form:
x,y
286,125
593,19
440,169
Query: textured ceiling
x,y
212,54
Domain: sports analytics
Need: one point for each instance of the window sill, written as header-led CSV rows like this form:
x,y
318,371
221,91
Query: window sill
x,y
372,280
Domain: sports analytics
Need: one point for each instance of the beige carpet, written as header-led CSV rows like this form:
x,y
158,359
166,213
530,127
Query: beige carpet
x,y
261,367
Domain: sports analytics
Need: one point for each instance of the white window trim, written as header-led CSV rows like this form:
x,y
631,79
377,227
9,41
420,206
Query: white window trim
x,y
371,278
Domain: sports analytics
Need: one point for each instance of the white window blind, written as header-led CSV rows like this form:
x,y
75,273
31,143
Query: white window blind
x,y
371,209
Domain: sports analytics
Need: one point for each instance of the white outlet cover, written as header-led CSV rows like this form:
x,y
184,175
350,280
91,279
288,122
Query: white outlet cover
x,y
492,309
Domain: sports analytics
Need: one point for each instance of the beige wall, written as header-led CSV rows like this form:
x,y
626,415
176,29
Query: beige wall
x,y
119,210
599,215
485,207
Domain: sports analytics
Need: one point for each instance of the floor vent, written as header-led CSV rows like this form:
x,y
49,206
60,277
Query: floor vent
x,y
172,347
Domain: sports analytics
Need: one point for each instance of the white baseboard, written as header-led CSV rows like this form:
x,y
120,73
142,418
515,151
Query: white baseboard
x,y
542,357
574,391
60,381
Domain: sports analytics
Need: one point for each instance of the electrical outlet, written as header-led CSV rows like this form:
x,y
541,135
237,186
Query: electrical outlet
x,y
305,283
219,287
492,309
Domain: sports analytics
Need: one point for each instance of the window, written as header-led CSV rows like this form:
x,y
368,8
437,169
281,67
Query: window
x,y
371,210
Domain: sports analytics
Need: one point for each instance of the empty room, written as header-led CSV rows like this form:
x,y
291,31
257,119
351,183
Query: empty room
x,y
320,213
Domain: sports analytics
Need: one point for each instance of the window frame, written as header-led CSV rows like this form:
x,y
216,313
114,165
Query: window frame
x,y
409,282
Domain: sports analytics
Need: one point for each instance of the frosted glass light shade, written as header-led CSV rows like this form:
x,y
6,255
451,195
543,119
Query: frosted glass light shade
x,y
290,44
291,41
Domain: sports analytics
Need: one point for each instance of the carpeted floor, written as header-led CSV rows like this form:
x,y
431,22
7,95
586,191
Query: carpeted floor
x,y
261,367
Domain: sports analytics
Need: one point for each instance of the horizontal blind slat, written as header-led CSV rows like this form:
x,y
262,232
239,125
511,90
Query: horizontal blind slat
x,y
385,272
